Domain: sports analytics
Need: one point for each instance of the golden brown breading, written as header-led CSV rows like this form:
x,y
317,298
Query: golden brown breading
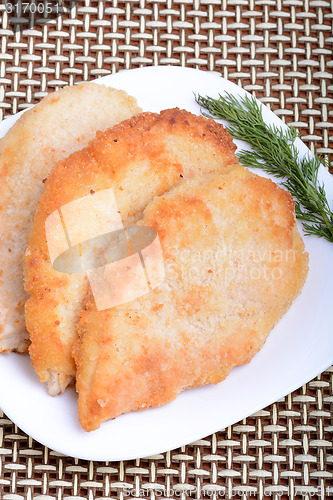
x,y
139,158
234,263
61,123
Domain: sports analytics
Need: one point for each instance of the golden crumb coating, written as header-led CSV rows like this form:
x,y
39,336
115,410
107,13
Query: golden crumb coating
x,y
139,159
61,123
234,263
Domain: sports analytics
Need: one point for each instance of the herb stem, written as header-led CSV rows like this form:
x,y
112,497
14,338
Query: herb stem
x,y
273,150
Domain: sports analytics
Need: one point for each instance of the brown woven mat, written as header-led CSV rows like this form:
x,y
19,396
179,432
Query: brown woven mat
x,y
281,51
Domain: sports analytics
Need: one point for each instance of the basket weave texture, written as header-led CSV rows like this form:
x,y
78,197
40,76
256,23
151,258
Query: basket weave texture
x,y
279,50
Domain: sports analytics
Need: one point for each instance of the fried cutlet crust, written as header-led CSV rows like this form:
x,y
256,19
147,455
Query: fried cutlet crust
x,y
61,123
234,263
139,158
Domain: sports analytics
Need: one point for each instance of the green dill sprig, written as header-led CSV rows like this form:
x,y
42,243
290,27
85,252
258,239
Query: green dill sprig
x,y
273,151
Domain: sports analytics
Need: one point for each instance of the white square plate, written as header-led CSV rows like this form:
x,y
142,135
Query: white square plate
x,y
299,348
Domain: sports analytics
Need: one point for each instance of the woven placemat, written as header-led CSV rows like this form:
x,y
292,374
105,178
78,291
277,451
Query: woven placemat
x,y
281,51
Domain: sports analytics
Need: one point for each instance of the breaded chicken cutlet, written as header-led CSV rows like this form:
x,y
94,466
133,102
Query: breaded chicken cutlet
x,y
234,263
139,159
61,123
